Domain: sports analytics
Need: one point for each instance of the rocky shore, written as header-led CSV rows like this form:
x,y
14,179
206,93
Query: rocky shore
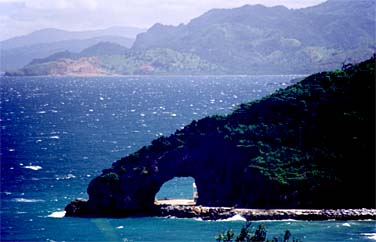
x,y
218,213
77,208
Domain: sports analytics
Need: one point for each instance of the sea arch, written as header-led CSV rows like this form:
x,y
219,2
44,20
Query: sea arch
x,y
132,183
179,190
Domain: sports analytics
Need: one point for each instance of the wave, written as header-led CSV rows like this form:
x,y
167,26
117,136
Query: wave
x,y
236,217
34,168
25,200
57,214
65,177
371,236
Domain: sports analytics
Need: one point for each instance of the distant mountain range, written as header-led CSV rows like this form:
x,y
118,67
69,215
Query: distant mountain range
x,y
20,51
247,40
259,39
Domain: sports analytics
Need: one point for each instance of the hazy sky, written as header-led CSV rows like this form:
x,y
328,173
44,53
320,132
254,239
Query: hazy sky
x,y
19,17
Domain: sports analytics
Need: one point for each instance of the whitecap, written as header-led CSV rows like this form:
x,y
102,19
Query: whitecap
x,y
21,212
371,236
346,224
120,227
34,168
41,112
25,200
57,214
173,114
67,177
236,217
55,137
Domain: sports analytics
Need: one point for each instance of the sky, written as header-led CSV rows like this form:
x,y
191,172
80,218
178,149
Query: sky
x,y
20,17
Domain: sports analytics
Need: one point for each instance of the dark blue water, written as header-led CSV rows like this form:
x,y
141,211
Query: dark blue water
x,y
59,133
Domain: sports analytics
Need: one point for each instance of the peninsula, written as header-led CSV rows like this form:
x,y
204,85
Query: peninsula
x,y
309,146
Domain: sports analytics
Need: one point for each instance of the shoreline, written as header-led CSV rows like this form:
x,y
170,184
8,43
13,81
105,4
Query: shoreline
x,y
78,208
222,213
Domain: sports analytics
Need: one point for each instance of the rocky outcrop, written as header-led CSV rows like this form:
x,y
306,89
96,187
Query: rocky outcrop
x,y
221,213
308,146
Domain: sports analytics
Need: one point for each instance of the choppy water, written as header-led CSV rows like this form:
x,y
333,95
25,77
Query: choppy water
x,y
58,133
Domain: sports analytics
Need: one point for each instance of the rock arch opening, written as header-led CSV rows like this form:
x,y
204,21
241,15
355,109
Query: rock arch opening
x,y
179,190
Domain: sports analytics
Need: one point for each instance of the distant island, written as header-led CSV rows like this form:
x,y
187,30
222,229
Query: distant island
x,y
308,146
252,39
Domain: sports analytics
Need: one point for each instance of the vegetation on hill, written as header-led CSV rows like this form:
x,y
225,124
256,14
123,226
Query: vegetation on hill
x,y
263,40
246,40
115,59
158,61
310,145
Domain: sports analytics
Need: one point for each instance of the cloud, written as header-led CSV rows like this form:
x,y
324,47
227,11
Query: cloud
x,y
24,16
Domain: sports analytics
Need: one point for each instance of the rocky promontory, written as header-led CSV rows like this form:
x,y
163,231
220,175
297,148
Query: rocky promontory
x,y
309,146
85,66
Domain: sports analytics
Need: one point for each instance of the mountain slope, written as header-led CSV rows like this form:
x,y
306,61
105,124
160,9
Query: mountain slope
x,y
57,35
115,59
251,40
20,51
11,59
258,39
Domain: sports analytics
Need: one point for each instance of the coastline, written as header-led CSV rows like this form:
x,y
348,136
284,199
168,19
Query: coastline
x,y
172,209
221,213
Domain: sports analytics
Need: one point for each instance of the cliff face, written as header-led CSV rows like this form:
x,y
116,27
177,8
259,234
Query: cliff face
x,y
310,145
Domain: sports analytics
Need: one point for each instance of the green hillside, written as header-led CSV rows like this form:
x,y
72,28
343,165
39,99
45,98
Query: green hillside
x,y
310,145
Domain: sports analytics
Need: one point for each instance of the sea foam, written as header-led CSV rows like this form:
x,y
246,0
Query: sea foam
x,y
25,200
34,168
236,217
57,214
371,236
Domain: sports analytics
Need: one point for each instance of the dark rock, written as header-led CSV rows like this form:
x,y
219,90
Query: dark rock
x,y
77,207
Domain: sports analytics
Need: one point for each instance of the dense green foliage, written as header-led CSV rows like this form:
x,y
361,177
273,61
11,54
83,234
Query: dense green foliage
x,y
310,145
245,235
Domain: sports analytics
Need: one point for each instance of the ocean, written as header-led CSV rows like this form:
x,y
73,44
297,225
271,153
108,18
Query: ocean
x,y
58,133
